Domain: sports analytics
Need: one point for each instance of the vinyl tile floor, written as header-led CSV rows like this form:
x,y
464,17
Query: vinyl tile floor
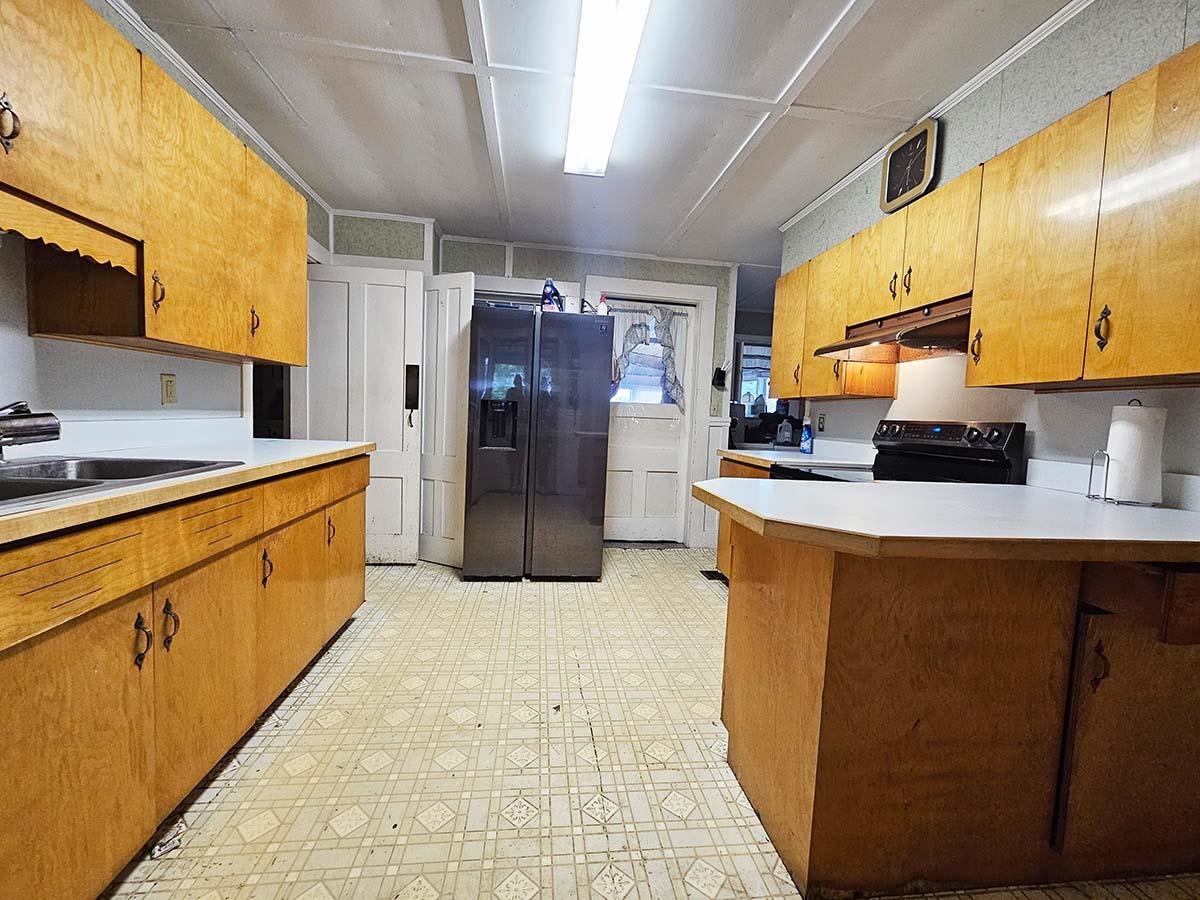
x,y
510,740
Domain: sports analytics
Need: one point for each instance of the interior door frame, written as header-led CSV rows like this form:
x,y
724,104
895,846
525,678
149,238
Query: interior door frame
x,y
704,299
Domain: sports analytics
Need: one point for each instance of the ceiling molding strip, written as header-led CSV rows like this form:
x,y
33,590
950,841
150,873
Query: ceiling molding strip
x,y
153,39
477,41
390,217
850,16
1002,62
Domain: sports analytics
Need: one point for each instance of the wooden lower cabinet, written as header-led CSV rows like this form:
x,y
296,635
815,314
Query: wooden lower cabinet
x,y
346,538
292,618
205,699
77,762
732,469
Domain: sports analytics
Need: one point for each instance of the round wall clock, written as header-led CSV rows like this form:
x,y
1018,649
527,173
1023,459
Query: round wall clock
x,y
908,166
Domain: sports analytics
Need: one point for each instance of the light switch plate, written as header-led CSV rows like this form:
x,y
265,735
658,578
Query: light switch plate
x,y
168,389
821,422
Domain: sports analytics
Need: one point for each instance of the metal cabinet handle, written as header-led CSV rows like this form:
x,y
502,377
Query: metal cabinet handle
x,y
976,345
892,284
1105,669
10,124
268,567
332,530
796,373
1101,328
837,368
159,291
139,625
169,612
255,322
908,281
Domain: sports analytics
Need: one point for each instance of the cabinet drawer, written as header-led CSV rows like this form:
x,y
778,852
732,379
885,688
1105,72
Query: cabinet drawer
x,y
47,583
287,499
191,532
346,478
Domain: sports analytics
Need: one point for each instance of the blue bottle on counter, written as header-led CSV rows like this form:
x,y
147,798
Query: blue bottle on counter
x,y
806,440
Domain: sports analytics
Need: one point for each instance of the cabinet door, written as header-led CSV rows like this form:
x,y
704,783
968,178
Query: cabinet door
x,y
787,332
939,245
825,321
877,257
74,83
1131,786
1146,298
346,537
76,762
195,173
1037,242
291,603
204,669
732,469
274,257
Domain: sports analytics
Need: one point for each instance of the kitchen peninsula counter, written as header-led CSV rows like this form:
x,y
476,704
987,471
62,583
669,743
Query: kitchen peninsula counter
x,y
942,686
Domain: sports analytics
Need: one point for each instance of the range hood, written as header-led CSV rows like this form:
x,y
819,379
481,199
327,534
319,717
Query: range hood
x,y
932,330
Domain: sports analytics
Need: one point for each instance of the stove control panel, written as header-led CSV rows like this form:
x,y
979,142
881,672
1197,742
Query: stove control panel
x,y
900,433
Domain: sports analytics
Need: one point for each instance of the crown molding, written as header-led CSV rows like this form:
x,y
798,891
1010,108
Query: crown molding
x,y
1002,62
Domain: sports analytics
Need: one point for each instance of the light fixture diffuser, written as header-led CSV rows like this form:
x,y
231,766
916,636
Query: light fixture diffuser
x,y
610,32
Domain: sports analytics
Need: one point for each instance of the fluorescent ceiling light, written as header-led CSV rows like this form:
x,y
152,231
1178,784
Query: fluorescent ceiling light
x,y
609,34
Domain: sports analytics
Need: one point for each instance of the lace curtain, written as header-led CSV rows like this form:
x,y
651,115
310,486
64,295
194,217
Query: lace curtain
x,y
644,326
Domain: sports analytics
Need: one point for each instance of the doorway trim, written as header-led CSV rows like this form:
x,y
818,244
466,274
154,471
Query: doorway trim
x,y
704,299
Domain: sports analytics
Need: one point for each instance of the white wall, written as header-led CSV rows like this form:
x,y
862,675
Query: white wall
x,y
1063,426
108,398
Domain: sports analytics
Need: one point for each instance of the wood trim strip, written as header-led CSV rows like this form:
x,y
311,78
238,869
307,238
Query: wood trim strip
x,y
41,223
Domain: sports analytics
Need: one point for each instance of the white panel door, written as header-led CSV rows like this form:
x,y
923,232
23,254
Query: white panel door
x,y
448,301
646,496
375,317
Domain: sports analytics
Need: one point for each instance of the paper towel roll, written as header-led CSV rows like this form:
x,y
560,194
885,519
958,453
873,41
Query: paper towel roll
x,y
1135,444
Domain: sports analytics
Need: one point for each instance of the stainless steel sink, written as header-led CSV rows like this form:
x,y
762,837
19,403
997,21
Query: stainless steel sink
x,y
27,480
107,468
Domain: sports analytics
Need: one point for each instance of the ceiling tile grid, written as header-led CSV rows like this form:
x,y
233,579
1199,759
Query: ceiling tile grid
x,y
738,114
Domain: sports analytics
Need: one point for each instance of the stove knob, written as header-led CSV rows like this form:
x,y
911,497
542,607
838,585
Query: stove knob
x,y
894,430
973,435
994,435
882,429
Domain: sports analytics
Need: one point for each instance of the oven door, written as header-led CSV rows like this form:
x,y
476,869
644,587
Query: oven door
x,y
893,465
791,473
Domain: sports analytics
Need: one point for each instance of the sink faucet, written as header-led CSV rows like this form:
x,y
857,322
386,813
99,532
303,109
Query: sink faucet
x,y
19,425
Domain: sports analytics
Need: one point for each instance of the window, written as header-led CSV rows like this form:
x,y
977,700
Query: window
x,y
650,343
754,378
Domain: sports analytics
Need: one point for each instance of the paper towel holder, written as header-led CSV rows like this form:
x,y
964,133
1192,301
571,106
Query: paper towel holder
x,y
1103,495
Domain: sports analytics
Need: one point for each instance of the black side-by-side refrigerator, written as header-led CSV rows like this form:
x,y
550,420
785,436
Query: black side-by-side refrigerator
x,y
537,443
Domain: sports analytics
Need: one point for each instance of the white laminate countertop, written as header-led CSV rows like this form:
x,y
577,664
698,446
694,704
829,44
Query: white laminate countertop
x,y
257,459
923,519
821,458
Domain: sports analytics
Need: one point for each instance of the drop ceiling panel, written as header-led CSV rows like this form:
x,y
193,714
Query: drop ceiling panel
x,y
371,142
906,56
532,34
667,151
795,163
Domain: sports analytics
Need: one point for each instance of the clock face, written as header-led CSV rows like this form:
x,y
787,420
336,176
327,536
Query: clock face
x,y
906,166
909,166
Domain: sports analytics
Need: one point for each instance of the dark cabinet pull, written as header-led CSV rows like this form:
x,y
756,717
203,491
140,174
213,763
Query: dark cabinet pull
x,y
892,284
10,124
332,530
796,374
1105,669
837,368
139,625
1101,329
908,281
159,291
255,321
268,567
975,346
169,612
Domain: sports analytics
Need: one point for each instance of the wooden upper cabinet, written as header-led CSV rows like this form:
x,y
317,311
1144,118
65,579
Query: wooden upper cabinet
x,y
1037,242
876,269
825,321
74,84
273,254
787,332
77,768
195,175
1146,298
939,243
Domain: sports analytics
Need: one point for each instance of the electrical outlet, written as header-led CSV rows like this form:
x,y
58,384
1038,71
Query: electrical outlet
x,y
821,422
168,389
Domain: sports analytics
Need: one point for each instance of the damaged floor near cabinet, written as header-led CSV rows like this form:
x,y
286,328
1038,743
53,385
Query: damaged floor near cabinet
x,y
500,739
